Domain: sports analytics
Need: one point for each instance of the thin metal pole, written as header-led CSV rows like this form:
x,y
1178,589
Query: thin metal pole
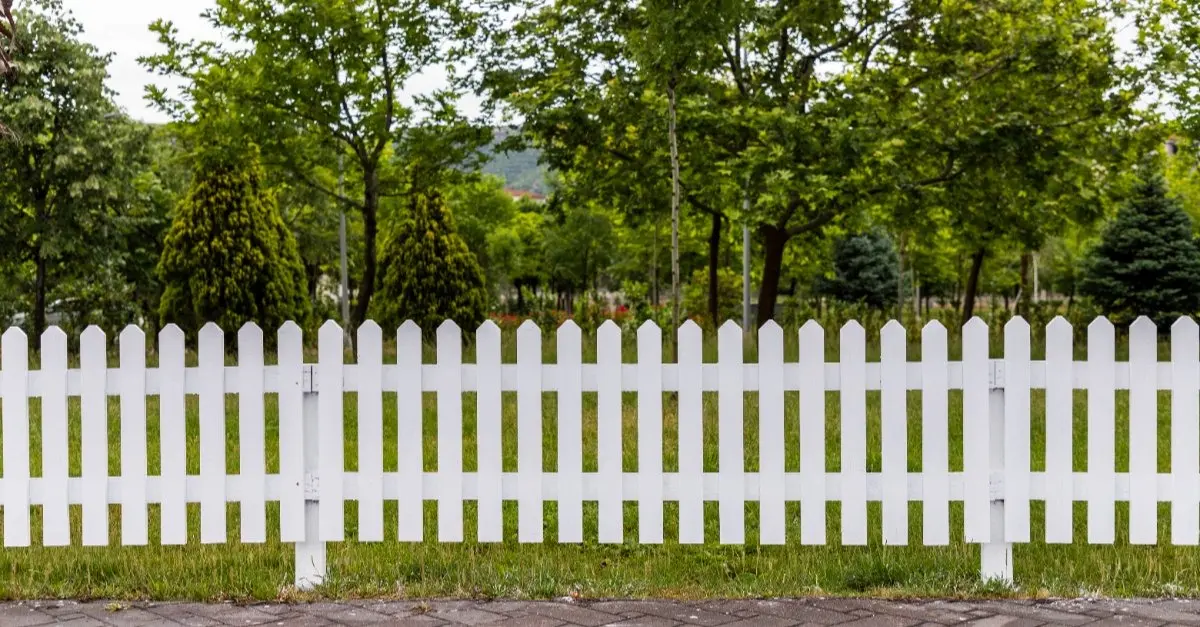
x,y
746,266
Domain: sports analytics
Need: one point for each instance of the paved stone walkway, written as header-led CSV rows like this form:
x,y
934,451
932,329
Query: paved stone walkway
x,y
733,613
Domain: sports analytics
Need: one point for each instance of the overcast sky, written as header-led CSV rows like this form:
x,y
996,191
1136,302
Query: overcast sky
x,y
122,28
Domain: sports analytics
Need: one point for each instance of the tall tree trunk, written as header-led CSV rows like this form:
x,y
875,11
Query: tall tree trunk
x,y
972,289
714,255
39,295
654,296
900,281
366,287
774,242
674,139
1025,293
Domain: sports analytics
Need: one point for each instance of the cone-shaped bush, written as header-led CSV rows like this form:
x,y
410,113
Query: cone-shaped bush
x,y
228,257
427,273
1147,262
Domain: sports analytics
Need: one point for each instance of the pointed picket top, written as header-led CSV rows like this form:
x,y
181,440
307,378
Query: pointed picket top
x,y
250,335
91,334
975,324
1143,324
609,333
769,324
892,324
370,326
170,333
409,327
370,334
14,334
488,326
331,325
1100,325
610,324
448,327
569,330
1058,323
853,327
730,327
1016,324
289,334
689,331
808,327
132,338
53,334
770,339
933,326
1183,324
210,328
649,330
528,327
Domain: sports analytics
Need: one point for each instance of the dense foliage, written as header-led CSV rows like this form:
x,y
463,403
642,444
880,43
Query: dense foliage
x,y
228,257
428,273
1147,260
865,270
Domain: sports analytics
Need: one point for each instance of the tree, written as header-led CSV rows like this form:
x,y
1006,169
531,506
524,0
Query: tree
x,y
310,79
866,270
428,275
70,174
479,208
1148,259
228,257
8,36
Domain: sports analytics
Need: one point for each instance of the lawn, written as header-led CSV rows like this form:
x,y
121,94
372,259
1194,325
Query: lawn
x,y
237,571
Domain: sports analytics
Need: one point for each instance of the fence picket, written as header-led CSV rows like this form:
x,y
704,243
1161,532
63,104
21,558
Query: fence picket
x,y
935,435
291,432
14,353
772,523
1016,431
530,511
1101,445
450,432
691,434
1143,432
134,527
854,433
212,434
489,433
570,433
93,404
332,461
976,433
731,455
56,521
894,431
252,433
608,427
410,432
1060,409
370,432
649,434
1185,432
812,434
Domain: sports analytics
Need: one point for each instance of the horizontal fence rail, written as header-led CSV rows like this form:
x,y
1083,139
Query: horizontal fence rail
x,y
996,484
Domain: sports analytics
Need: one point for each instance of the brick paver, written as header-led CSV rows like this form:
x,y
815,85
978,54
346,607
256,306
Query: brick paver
x,y
583,613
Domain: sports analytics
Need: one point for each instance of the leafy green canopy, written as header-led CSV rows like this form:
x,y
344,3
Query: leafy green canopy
x,y
428,274
228,257
866,270
1147,260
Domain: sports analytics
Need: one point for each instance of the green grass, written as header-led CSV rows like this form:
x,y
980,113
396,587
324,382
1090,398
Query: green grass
x,y
389,568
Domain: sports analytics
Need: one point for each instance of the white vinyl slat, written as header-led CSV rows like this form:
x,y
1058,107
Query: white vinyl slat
x,y
976,432
331,429
854,434
489,433
1016,431
56,521
93,405
212,435
1101,434
410,432
731,455
291,432
450,432
935,436
370,432
649,434
608,437
812,434
1185,432
1060,408
530,509
14,357
134,523
1143,432
691,434
570,434
772,521
252,447
894,431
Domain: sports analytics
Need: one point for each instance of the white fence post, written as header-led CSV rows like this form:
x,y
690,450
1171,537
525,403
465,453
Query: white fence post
x,y
310,554
996,554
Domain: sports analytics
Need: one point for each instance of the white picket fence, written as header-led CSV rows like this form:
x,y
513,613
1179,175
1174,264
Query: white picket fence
x,y
996,483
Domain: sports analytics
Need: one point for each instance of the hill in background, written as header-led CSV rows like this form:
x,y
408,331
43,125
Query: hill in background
x,y
519,169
